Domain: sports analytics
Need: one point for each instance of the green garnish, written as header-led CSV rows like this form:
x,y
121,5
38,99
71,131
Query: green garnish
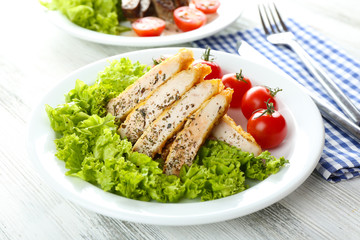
x,y
97,15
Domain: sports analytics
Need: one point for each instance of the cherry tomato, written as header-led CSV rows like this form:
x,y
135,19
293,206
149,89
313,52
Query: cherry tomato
x,y
255,98
216,72
207,6
148,26
239,83
268,127
188,19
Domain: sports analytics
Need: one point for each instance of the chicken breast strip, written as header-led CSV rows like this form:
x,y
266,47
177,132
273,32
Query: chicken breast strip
x,y
146,112
171,120
196,130
228,132
121,106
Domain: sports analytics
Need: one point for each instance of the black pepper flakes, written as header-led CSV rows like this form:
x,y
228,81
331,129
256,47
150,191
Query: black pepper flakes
x,y
156,78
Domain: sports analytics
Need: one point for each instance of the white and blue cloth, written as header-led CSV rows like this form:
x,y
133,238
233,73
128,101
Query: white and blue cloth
x,y
340,159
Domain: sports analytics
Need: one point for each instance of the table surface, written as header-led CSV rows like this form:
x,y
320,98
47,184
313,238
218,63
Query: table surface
x,y
34,55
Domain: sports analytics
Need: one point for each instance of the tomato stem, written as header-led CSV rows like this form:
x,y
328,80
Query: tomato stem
x,y
274,91
269,109
240,77
206,56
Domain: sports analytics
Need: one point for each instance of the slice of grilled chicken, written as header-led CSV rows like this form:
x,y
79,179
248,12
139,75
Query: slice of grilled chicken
x,y
146,112
196,130
122,105
171,120
227,131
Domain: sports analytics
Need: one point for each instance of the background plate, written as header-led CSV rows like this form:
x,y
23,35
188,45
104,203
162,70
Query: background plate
x,y
228,12
302,146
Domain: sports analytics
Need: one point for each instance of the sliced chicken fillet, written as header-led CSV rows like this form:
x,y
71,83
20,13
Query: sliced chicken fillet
x,y
196,130
122,105
171,120
228,132
145,113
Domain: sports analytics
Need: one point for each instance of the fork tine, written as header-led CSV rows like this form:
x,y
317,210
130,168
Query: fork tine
x,y
262,22
280,19
273,18
267,17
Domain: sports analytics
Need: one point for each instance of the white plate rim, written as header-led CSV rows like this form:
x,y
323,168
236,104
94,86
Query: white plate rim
x,y
146,212
233,10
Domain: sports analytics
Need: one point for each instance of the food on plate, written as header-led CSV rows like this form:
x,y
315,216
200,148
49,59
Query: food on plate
x,y
188,19
256,97
267,126
207,6
165,8
148,26
208,59
234,135
110,16
213,167
142,88
131,9
134,9
239,83
179,3
99,16
173,118
196,130
146,8
165,95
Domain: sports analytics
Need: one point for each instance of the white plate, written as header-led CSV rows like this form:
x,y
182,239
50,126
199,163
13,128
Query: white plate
x,y
228,12
302,146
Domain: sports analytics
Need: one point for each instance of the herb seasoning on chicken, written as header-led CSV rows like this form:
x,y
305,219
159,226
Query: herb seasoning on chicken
x,y
121,106
188,141
145,113
171,120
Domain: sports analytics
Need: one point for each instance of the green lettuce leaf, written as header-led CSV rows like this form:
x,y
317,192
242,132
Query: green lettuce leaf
x,y
97,15
263,166
64,118
216,172
109,83
72,149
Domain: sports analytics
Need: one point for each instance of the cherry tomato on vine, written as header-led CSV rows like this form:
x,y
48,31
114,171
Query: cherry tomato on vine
x,y
207,6
240,84
148,26
188,19
255,98
268,127
215,68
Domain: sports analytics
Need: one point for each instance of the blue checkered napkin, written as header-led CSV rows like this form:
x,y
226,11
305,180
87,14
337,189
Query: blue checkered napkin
x,y
341,156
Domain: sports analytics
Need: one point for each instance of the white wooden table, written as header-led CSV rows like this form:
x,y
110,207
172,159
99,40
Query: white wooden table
x,y
34,55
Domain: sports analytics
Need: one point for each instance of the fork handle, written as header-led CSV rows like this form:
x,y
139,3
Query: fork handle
x,y
330,86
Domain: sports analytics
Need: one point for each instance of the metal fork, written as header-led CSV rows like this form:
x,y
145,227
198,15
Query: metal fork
x,y
278,33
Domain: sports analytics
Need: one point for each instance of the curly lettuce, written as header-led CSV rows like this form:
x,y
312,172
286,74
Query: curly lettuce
x,y
220,170
93,151
97,15
109,83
